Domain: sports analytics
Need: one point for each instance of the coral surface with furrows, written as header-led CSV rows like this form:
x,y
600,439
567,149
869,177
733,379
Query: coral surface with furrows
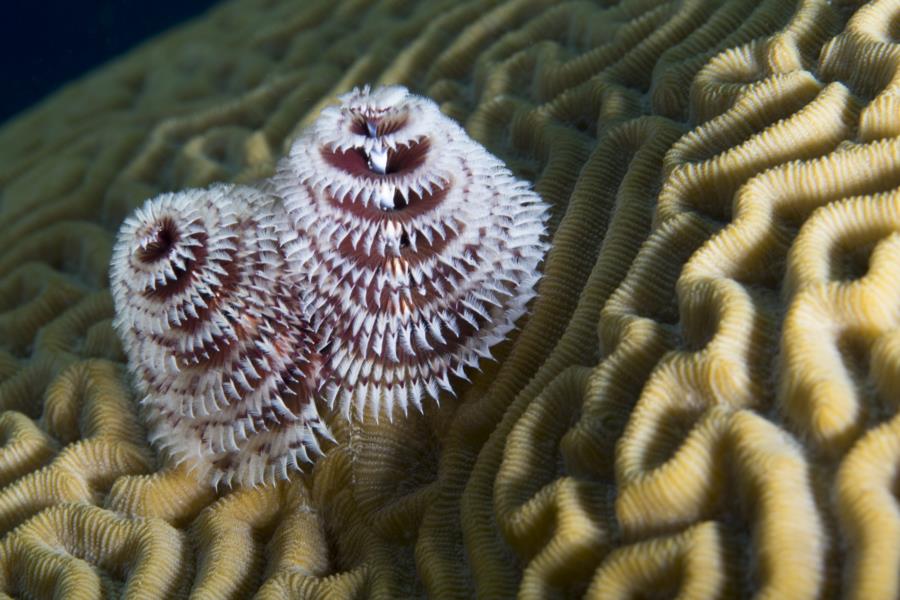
x,y
702,401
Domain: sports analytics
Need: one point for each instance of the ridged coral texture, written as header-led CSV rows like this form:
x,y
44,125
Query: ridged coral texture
x,y
701,401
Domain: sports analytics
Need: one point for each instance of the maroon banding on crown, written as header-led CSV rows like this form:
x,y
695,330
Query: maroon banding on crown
x,y
183,277
384,124
414,205
166,233
400,160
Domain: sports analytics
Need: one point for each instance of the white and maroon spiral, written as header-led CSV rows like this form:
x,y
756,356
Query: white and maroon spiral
x,y
421,248
218,337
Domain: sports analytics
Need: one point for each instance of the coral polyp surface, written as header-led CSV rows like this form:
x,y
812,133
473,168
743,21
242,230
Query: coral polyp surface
x,y
701,403
423,248
217,336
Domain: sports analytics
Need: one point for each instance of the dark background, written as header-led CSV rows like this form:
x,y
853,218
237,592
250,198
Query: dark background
x,y
45,43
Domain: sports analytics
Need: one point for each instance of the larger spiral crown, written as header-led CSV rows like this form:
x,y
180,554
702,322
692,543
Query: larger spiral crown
x,y
423,247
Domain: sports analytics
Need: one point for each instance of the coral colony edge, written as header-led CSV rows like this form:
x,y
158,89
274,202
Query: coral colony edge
x,y
388,253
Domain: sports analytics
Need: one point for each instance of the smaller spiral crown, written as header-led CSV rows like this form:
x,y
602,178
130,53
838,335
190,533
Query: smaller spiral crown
x,y
217,336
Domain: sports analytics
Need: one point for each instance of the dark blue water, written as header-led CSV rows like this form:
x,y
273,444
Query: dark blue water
x,y
46,43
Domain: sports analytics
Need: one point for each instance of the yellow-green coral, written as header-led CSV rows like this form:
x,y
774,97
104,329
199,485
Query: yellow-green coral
x,y
702,403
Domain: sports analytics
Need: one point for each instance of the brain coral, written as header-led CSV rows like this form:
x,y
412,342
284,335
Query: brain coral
x,y
703,400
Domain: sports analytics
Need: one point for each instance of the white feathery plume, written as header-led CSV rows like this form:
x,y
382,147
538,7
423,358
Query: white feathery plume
x,y
218,337
424,248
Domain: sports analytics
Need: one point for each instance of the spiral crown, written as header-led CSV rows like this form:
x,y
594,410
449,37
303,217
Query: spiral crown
x,y
219,340
422,247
